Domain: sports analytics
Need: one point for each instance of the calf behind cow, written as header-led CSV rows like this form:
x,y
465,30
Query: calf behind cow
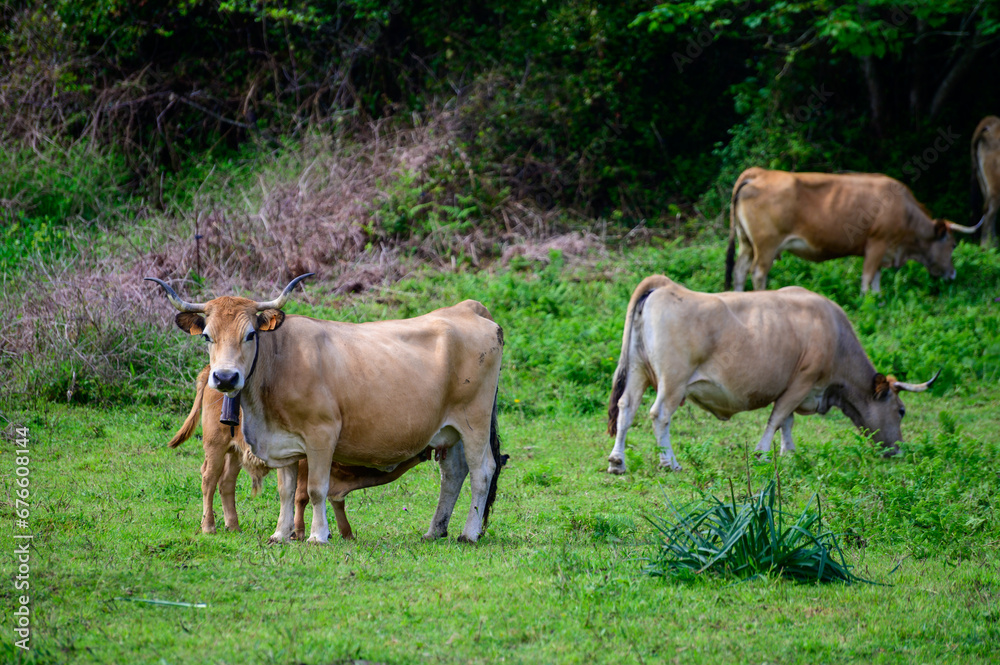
x,y
733,352
361,395
822,216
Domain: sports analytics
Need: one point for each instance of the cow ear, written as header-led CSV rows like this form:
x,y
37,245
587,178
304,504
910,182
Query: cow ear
x,y
940,228
270,319
881,386
190,322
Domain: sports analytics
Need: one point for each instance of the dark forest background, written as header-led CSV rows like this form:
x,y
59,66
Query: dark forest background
x,y
626,111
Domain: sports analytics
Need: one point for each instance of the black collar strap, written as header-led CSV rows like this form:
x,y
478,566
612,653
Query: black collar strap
x,y
231,405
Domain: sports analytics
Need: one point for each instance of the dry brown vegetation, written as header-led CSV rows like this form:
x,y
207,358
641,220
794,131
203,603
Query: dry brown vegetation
x,y
87,322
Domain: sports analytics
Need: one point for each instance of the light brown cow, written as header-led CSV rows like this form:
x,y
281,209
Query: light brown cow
x,y
226,451
371,394
733,352
822,216
986,176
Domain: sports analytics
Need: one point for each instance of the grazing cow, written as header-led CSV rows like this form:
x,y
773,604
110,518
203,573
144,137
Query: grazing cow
x,y
733,352
226,451
822,216
362,395
986,176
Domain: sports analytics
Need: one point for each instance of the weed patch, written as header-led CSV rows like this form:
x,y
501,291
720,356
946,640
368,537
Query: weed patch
x,y
747,540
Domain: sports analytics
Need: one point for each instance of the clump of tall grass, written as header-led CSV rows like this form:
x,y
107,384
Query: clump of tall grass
x,y
747,540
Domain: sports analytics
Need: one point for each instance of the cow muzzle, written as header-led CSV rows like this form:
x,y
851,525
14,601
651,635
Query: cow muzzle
x,y
229,382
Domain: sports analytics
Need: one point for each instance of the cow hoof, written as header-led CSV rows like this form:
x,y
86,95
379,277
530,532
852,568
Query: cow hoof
x,y
277,539
465,539
616,465
208,529
299,535
431,536
667,466
234,529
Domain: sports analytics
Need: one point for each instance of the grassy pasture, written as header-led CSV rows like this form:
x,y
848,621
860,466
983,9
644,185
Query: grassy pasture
x,y
558,576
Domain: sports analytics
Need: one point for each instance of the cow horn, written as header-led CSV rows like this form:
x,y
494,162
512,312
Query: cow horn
x,y
175,300
915,387
280,301
966,229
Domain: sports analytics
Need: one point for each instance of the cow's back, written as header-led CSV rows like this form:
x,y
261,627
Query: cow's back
x,y
391,384
819,216
749,344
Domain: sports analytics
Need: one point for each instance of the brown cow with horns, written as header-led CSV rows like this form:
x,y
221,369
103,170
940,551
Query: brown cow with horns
x,y
822,216
371,395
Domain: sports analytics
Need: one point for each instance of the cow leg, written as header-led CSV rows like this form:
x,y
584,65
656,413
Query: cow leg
x,y
301,500
227,489
742,267
340,514
635,385
761,265
667,402
481,468
989,235
877,282
287,482
871,269
211,471
787,445
454,469
319,485
781,415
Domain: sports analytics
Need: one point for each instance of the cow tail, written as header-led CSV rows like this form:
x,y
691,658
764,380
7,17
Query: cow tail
x,y
187,429
976,200
618,383
731,250
499,460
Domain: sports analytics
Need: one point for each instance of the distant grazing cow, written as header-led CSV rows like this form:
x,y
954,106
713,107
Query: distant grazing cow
x,y
986,176
226,451
821,216
733,352
363,395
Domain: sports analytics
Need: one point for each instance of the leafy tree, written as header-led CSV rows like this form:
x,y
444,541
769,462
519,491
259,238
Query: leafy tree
x,y
917,52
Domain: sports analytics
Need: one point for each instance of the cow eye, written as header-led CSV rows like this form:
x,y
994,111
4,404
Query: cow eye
x,y
902,411
207,338
250,336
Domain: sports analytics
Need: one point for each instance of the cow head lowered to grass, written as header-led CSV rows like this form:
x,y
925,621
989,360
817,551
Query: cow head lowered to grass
x,y
373,395
733,352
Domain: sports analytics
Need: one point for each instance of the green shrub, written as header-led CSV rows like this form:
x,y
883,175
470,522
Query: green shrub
x,y
747,540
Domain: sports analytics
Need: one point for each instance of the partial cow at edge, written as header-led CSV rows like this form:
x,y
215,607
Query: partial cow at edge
x,y
823,216
362,395
986,176
732,352
226,452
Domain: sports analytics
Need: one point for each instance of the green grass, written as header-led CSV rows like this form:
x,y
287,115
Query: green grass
x,y
558,577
